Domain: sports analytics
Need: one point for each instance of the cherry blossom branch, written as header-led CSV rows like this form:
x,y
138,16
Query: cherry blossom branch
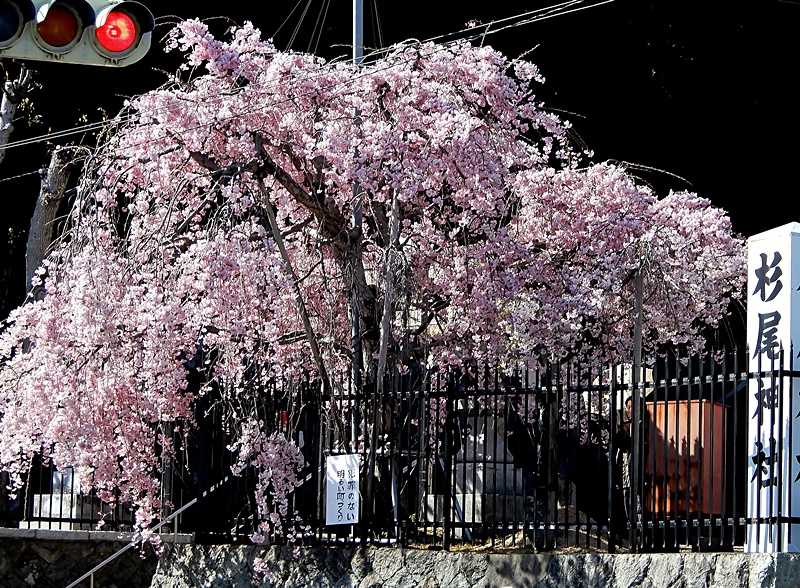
x,y
298,295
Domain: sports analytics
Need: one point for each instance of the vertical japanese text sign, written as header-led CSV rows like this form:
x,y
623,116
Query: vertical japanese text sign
x,y
773,324
341,490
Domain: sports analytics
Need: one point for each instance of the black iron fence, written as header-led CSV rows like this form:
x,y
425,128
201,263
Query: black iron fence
x,y
52,499
540,456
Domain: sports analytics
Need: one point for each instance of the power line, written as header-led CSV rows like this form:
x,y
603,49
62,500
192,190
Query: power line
x,y
321,18
285,20
366,73
486,27
544,11
36,172
299,24
378,26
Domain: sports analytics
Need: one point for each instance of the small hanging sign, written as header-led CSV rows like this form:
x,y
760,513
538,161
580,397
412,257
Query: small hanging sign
x,y
342,489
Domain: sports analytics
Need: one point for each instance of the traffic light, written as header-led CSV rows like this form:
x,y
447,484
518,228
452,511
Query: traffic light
x,y
90,32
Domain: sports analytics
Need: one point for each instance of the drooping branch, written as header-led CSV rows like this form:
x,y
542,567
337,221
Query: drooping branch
x,y
388,293
298,295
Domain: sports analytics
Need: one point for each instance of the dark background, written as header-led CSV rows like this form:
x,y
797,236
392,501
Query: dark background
x,y
701,89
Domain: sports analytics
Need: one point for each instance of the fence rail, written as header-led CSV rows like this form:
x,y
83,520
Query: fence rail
x,y
540,456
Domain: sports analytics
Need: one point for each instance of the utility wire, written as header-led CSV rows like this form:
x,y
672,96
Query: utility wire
x,y
265,91
378,27
544,11
98,125
36,172
321,18
285,20
366,73
299,24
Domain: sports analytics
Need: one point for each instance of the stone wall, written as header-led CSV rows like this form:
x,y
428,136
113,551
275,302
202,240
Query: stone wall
x,y
44,559
186,566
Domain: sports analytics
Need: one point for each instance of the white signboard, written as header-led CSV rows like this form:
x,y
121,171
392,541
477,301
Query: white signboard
x,y
773,324
342,489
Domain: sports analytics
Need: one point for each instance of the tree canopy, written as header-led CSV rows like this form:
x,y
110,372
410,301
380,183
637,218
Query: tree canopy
x,y
211,235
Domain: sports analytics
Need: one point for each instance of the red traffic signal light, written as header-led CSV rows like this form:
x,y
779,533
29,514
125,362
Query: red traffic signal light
x,y
118,34
113,33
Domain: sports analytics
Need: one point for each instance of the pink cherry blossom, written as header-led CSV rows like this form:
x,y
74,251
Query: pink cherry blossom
x,y
510,244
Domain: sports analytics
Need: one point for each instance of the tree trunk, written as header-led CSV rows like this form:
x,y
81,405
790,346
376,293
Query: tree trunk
x,y
43,223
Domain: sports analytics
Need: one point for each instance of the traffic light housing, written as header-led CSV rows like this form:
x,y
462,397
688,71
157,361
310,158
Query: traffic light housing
x,y
109,33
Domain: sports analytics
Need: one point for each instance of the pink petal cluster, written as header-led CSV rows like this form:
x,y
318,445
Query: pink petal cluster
x,y
278,463
510,244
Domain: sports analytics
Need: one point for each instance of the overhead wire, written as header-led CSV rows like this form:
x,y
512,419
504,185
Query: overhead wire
x,y
100,124
285,20
365,73
321,19
36,172
547,11
318,73
299,24
378,27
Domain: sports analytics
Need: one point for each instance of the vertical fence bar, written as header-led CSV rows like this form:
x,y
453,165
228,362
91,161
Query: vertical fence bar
x,y
561,498
506,494
728,442
422,457
486,406
464,461
700,520
437,443
736,401
514,405
675,510
758,469
791,437
598,394
772,450
493,398
779,399
547,433
568,433
588,387
448,466
320,466
667,487
649,434
713,434
688,449
612,428
526,474
439,447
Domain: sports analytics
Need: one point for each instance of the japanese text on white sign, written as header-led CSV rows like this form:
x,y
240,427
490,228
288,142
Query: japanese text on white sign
x,y
341,490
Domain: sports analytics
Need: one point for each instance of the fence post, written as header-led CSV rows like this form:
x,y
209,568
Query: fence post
x,y
167,470
447,500
636,453
611,470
